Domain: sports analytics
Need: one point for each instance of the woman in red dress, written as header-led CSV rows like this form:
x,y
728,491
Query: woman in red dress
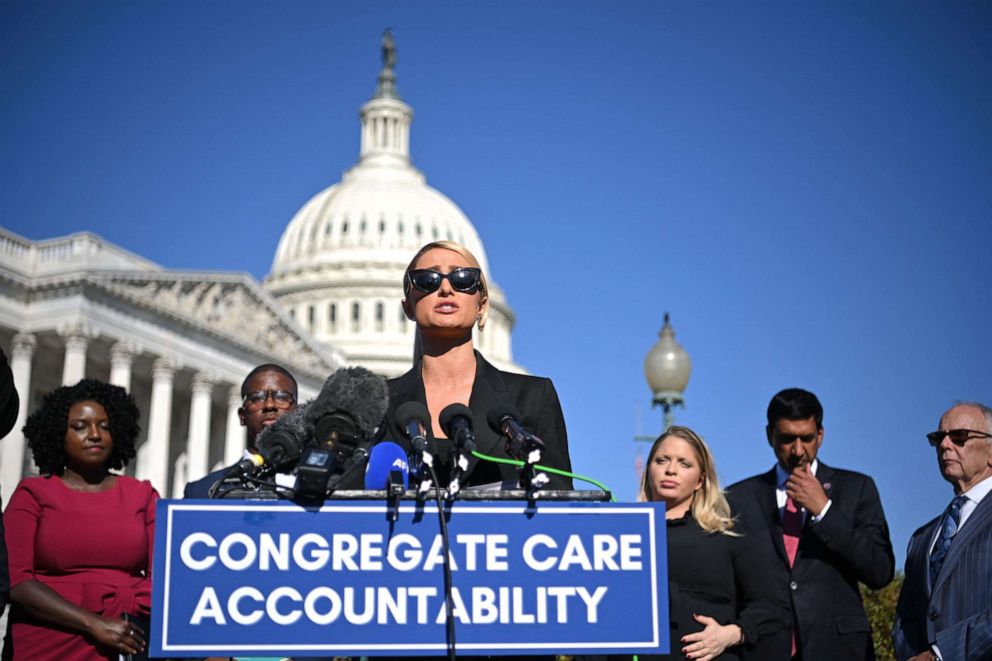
x,y
80,537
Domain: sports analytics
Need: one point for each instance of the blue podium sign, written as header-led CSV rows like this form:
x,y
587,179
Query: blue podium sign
x,y
273,578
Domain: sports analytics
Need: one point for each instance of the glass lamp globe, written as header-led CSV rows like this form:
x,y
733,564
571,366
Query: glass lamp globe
x,y
667,367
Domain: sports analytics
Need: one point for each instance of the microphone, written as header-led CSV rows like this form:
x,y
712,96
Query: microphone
x,y
344,415
457,421
388,469
520,444
387,466
504,419
412,418
312,474
278,445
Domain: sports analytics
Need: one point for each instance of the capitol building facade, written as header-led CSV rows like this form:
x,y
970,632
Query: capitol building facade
x,y
182,341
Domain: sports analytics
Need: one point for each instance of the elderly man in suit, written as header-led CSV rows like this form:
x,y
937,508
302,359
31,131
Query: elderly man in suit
x,y
268,392
945,606
823,530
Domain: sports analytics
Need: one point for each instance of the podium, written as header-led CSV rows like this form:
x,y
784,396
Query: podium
x,y
565,573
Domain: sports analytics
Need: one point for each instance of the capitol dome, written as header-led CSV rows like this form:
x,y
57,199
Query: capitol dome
x,y
339,265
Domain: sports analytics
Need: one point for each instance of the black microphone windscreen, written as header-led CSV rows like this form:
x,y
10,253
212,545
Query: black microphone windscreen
x,y
352,393
499,412
409,411
287,435
452,411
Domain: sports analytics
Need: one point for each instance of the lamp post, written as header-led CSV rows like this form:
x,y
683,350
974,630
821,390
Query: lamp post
x,y
666,368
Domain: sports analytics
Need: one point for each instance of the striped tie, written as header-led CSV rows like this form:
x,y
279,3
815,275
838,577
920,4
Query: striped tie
x,y
948,527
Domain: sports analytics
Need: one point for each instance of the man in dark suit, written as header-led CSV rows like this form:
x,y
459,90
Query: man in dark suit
x,y
268,392
945,605
823,530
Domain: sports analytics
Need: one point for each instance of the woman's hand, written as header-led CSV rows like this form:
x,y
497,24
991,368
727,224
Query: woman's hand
x,y
712,640
44,604
117,634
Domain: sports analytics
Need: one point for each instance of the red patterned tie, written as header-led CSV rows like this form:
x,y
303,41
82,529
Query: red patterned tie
x,y
792,529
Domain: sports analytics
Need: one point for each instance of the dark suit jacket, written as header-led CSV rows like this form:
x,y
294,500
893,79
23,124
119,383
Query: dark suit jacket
x,y
956,612
201,488
8,415
850,544
535,399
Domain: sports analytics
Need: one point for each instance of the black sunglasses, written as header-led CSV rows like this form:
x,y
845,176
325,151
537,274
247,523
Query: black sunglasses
x,y
958,436
466,279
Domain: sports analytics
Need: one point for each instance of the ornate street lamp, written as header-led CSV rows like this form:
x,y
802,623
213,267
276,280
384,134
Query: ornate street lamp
x,y
666,368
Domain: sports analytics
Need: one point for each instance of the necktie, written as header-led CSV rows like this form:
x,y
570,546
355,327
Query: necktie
x,y
792,529
948,527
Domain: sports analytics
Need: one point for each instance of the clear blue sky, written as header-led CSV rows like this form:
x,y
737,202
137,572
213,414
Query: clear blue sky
x,y
804,186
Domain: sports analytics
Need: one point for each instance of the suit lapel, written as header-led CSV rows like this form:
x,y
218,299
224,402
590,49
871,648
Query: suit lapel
x,y
408,388
769,509
977,523
919,553
488,388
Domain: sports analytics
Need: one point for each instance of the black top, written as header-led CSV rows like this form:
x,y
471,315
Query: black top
x,y
534,397
720,576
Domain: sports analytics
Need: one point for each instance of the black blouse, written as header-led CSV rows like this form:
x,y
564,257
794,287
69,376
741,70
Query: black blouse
x,y
721,576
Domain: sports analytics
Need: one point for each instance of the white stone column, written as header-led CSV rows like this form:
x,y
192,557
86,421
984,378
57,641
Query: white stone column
x,y
179,475
121,358
235,438
198,444
153,459
12,447
77,338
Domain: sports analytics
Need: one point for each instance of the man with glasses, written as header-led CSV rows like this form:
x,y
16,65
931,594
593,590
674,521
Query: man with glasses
x,y
945,605
268,392
822,530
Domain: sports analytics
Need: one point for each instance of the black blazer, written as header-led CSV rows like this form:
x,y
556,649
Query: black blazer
x,y
850,544
535,399
956,612
201,488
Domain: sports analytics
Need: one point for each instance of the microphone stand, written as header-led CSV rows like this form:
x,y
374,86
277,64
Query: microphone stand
x,y
458,470
530,479
424,462
359,458
449,607
422,470
394,492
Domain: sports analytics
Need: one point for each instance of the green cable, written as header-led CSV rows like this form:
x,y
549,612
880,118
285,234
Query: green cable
x,y
519,464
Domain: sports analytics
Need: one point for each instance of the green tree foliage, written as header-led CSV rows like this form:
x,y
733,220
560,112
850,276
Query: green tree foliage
x,y
881,608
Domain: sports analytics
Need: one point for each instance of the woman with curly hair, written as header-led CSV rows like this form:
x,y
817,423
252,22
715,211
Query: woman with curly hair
x,y
721,593
80,536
